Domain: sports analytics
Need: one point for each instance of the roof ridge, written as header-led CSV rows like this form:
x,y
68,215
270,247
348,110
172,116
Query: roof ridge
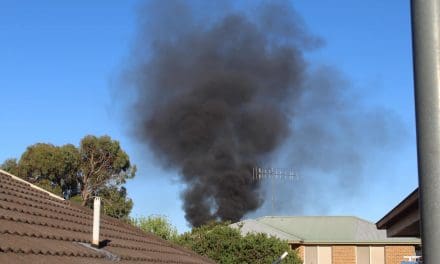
x,y
314,216
32,185
364,220
282,231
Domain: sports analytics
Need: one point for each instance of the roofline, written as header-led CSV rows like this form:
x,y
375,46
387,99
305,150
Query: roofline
x,y
381,224
316,216
282,231
32,185
268,226
355,242
385,241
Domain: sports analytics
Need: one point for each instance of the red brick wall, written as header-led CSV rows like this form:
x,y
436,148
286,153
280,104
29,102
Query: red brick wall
x,y
344,254
394,254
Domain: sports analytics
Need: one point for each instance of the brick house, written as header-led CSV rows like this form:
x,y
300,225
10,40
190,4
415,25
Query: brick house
x,y
334,239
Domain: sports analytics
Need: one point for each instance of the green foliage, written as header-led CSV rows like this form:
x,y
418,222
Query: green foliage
x,y
51,163
49,186
69,156
38,162
76,199
10,165
115,201
158,225
224,244
98,167
103,164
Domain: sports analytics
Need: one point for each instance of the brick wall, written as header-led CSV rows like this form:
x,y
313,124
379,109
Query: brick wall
x,y
344,254
394,254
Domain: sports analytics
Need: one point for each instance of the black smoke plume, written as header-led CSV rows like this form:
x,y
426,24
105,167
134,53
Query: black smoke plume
x,y
213,98
216,94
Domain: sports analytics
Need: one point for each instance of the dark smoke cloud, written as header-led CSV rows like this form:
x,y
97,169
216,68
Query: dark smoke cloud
x,y
334,138
216,95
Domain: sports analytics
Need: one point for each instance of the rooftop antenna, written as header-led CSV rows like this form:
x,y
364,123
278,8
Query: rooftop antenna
x,y
279,174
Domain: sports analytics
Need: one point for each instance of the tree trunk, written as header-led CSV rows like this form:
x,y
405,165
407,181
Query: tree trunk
x,y
85,195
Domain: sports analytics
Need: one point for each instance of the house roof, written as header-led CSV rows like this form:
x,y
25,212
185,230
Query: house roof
x,y
38,227
404,218
321,230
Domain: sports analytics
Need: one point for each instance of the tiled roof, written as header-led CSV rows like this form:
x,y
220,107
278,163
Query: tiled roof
x,y
36,227
322,229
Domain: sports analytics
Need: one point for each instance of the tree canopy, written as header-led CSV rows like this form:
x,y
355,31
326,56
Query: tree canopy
x,y
226,245
53,168
158,225
10,165
220,242
103,163
115,201
98,167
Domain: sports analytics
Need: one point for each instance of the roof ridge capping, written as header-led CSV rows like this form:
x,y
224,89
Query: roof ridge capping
x,y
293,237
268,225
31,185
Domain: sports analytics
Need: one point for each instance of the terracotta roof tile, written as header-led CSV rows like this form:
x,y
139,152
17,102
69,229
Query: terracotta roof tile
x,y
36,227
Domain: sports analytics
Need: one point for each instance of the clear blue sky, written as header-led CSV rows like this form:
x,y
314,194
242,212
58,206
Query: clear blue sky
x,y
59,60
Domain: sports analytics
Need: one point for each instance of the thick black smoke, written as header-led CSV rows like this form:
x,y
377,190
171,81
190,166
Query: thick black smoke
x,y
213,98
217,93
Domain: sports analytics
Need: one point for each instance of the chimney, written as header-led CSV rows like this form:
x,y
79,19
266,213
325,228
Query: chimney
x,y
96,218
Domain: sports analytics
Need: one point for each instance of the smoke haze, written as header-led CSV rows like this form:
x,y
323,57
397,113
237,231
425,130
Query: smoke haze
x,y
216,94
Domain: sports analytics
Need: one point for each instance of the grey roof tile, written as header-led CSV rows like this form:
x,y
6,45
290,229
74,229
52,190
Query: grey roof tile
x,y
321,229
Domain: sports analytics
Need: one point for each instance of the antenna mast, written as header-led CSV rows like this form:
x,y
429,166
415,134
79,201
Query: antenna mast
x,y
260,174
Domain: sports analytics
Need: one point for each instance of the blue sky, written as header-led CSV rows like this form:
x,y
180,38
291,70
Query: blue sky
x,y
59,61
